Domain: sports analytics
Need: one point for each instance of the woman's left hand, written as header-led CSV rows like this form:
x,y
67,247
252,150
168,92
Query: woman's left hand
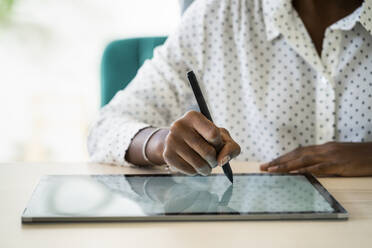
x,y
329,159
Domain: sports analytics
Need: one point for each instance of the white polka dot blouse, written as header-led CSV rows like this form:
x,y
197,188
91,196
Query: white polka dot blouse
x,y
261,76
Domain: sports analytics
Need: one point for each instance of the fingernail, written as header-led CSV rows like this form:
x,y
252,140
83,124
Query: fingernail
x,y
205,170
212,162
189,173
263,167
225,160
274,168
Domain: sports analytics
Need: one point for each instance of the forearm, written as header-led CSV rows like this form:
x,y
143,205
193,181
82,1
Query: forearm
x,y
154,147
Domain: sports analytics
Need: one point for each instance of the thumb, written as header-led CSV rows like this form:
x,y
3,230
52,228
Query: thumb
x,y
230,149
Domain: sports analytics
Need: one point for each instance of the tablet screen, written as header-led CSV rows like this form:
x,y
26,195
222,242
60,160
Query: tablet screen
x,y
141,195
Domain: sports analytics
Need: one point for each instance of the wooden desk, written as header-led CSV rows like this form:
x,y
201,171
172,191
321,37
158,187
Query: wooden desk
x,y
17,182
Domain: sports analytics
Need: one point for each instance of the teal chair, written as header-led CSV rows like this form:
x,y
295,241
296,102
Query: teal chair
x,y
120,62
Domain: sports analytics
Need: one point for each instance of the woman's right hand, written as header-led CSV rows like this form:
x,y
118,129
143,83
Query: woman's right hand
x,y
194,145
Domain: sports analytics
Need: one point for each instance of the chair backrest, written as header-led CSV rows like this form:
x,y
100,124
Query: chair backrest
x,y
185,4
120,62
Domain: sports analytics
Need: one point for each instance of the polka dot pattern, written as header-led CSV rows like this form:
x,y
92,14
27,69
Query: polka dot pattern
x,y
261,76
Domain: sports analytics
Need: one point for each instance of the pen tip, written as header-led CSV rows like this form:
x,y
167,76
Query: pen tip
x,y
231,180
228,172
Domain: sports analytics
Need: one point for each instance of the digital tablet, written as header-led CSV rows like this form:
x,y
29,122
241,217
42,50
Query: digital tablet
x,y
175,197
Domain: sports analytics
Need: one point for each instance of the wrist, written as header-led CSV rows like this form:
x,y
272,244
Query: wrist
x,y
155,146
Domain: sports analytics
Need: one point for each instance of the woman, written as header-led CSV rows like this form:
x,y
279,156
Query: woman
x,y
290,80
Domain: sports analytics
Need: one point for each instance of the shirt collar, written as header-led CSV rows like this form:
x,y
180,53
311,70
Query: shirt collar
x,y
273,9
348,22
365,17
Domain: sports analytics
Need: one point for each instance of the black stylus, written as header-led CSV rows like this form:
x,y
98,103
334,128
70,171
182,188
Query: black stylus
x,y
205,111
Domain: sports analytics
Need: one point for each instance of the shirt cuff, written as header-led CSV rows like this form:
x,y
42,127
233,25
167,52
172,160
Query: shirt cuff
x,y
117,142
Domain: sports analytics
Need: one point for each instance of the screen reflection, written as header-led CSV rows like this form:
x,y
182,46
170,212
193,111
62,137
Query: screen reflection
x,y
174,195
139,195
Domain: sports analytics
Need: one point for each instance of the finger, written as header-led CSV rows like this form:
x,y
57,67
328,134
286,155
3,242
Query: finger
x,y
181,130
202,147
177,163
209,131
190,156
320,169
230,149
194,159
303,161
282,159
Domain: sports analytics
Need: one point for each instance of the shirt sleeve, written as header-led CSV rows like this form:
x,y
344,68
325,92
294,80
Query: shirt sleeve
x,y
158,95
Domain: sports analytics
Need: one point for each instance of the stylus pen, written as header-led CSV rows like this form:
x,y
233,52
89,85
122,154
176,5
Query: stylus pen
x,y
205,111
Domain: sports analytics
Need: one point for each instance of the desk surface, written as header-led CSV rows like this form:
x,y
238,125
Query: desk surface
x,y
17,182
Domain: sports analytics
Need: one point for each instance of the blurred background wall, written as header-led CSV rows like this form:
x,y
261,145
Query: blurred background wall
x,y
50,53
